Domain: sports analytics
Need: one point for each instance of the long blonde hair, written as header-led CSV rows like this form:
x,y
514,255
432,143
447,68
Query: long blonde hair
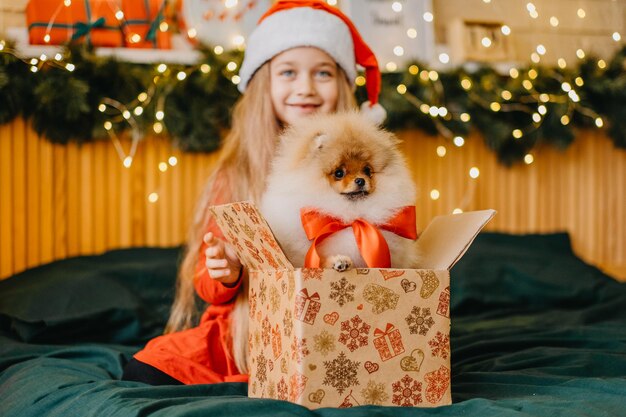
x,y
240,174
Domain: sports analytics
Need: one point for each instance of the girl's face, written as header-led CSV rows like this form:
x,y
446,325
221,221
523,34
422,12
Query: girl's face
x,y
303,81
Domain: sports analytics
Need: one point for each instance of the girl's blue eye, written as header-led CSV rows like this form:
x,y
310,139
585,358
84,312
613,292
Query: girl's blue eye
x,y
287,73
324,74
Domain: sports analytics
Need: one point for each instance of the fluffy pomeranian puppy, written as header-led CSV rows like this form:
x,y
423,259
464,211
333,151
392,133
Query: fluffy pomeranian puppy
x,y
344,166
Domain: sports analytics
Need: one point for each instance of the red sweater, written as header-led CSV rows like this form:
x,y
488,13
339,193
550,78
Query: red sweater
x,y
202,354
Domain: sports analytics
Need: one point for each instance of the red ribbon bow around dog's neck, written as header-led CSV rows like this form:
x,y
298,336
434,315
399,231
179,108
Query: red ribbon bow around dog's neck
x,y
370,241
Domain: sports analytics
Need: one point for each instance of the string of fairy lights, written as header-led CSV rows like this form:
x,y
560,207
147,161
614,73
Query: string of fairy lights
x,y
535,107
535,102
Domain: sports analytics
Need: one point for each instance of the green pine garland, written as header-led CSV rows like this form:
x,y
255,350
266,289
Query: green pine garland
x,y
64,105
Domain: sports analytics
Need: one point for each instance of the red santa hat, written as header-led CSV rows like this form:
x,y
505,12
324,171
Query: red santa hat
x,y
294,23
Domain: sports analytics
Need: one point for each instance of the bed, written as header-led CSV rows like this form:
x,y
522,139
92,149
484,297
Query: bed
x,y
535,332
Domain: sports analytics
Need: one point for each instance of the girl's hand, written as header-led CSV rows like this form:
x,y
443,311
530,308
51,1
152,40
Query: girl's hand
x,y
221,260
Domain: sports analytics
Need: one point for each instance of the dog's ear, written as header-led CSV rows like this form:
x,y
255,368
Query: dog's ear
x,y
320,139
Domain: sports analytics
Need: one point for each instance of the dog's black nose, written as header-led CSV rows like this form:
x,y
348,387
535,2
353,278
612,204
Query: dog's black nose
x,y
360,182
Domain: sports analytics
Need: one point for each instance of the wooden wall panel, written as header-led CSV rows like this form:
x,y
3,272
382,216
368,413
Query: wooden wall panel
x,y
62,201
6,201
18,177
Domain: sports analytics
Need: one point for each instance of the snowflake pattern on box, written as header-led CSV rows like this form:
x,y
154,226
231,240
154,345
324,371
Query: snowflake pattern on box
x,y
297,383
298,349
265,334
374,393
291,285
277,347
407,392
250,232
324,343
271,389
341,373
257,338
354,333
342,291
287,323
274,299
261,370
282,389
253,251
312,273
267,238
420,320
267,255
252,303
440,345
262,292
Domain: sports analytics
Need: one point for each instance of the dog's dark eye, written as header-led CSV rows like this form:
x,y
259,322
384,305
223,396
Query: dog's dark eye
x,y
339,174
367,171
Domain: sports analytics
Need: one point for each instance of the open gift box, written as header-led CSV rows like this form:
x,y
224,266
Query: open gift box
x,y
322,338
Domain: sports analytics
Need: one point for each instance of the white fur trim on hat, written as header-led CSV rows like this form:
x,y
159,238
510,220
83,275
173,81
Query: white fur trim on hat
x,y
375,113
301,26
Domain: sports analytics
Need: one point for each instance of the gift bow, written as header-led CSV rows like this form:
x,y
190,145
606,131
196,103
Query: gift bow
x,y
315,296
83,28
388,330
370,241
151,35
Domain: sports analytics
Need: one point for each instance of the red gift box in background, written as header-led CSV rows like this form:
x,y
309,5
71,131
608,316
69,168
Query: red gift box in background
x,y
108,23
142,19
55,22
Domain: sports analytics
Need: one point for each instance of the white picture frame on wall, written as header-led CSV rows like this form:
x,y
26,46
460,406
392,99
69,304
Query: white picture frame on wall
x,y
385,28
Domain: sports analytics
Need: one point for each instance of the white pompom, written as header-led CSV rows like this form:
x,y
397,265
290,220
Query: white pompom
x,y
375,113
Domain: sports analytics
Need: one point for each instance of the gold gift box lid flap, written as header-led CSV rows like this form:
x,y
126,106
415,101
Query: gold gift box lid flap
x,y
444,241
446,238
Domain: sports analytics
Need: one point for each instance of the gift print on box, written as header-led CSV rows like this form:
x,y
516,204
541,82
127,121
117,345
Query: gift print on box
x,y
443,308
388,342
307,306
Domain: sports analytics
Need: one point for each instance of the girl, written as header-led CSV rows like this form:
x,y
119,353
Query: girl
x,y
301,59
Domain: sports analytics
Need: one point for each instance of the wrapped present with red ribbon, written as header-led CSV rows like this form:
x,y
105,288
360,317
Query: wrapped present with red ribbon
x,y
55,22
145,24
307,307
388,342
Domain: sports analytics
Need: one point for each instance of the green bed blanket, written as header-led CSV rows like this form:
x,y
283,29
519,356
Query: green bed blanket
x,y
535,332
